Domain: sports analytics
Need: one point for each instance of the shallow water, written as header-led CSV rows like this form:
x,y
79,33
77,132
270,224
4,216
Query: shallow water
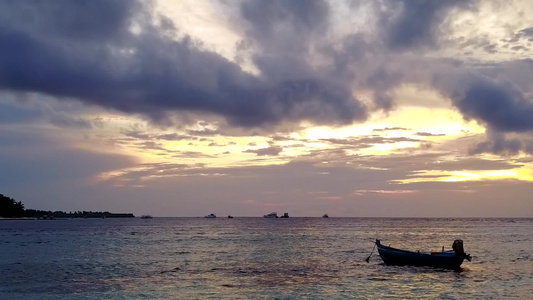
x,y
257,258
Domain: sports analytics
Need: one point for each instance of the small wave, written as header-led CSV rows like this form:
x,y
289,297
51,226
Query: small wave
x,y
176,269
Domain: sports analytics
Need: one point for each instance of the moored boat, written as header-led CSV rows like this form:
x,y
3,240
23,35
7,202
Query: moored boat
x,y
210,216
272,215
446,259
325,216
146,217
285,215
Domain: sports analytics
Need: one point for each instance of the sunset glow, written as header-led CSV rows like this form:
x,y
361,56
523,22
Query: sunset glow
x,y
189,104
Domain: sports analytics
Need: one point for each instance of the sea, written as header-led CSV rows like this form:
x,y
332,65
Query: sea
x,y
258,258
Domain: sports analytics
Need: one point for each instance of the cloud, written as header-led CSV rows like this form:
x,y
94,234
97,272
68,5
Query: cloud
x,y
420,133
385,192
367,142
500,104
293,22
307,184
527,32
77,52
37,109
40,160
268,151
524,34
498,142
191,154
472,164
389,129
161,136
414,23
133,60
204,132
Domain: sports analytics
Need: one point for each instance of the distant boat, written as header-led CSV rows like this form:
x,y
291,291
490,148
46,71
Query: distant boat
x,y
210,216
325,216
230,217
446,259
285,215
272,215
146,217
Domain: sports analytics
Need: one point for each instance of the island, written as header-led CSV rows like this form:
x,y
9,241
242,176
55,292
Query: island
x,y
11,209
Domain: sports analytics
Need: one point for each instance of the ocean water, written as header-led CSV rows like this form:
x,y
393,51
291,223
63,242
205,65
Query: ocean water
x,y
257,258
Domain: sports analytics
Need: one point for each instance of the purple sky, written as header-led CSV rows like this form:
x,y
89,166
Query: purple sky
x,y
185,108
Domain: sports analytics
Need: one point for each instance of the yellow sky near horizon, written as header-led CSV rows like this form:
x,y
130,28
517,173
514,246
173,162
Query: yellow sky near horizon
x,y
425,130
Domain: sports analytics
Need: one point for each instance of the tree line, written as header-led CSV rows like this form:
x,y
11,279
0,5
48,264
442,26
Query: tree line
x,y
9,208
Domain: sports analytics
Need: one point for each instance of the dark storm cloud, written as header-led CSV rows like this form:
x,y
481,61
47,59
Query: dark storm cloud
x,y
498,95
404,25
412,23
270,19
86,50
500,104
78,20
284,33
519,72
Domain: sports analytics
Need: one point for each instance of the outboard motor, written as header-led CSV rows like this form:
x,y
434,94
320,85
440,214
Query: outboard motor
x,y
459,250
458,247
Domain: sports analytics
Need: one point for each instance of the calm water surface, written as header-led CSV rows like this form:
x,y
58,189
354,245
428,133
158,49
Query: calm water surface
x,y
256,258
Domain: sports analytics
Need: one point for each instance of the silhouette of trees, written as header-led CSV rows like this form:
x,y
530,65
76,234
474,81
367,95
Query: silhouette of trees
x,y
9,208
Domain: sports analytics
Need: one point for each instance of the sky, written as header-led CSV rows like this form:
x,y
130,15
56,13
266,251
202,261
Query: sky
x,y
379,108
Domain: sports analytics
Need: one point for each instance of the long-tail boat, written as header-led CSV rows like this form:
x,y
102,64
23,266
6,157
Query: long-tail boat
x,y
445,259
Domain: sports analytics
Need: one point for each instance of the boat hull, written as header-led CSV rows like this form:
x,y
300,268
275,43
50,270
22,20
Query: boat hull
x,y
272,215
398,257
